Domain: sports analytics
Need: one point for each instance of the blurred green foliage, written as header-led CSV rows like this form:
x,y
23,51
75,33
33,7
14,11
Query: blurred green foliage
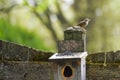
x,y
49,18
17,34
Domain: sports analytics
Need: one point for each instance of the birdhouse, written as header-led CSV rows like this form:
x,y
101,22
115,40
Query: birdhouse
x,y
70,61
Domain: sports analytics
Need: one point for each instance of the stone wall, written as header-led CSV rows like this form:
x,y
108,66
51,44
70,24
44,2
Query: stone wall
x,y
103,66
19,62
13,70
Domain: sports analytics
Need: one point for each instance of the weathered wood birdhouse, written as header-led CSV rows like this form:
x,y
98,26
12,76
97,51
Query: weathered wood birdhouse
x,y
70,61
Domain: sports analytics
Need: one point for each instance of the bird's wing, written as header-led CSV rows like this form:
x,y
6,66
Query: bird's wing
x,y
81,24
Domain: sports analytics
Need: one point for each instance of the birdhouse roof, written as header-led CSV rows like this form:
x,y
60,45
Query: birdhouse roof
x,y
73,56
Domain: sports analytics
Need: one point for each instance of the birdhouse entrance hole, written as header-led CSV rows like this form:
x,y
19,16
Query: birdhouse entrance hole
x,y
67,71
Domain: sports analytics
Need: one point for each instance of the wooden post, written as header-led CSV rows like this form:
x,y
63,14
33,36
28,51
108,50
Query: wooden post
x,y
74,41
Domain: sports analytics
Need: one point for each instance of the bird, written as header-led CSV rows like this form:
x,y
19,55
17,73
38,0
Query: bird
x,y
83,23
